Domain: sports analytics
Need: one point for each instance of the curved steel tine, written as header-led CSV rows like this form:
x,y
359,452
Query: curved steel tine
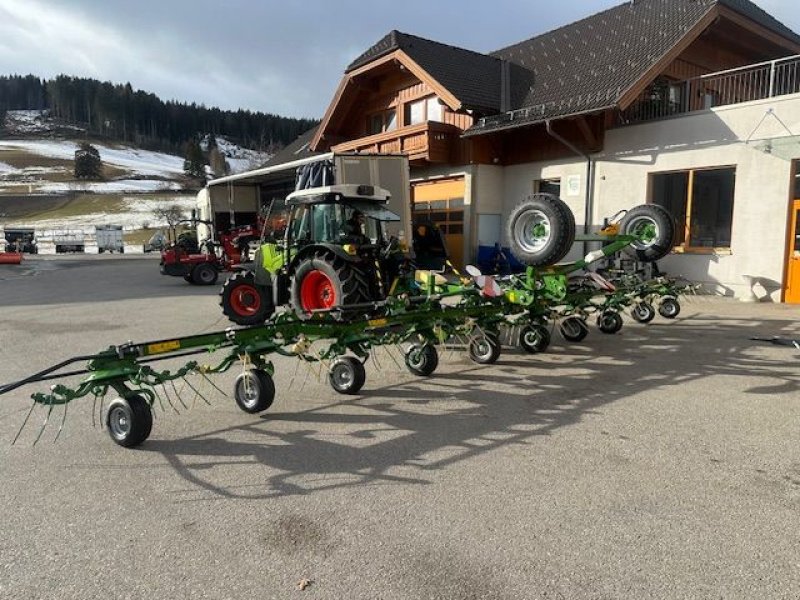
x,y
46,420
204,376
63,420
94,411
100,410
175,389
169,400
25,422
197,393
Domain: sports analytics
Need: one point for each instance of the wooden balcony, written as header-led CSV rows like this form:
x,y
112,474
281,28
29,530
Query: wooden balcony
x,y
430,142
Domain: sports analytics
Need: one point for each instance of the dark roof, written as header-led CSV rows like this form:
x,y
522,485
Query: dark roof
x,y
587,65
295,151
472,77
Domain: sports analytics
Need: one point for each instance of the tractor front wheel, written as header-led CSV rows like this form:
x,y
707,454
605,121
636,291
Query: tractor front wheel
x,y
129,420
422,360
324,282
534,338
244,301
254,391
347,375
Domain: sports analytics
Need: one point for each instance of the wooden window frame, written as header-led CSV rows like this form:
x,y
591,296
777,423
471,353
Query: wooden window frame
x,y
685,248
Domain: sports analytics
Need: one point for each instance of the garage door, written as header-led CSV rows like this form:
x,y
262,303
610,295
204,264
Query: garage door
x,y
442,202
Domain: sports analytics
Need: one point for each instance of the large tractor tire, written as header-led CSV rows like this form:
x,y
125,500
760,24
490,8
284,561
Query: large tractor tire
x,y
541,230
325,281
245,302
655,228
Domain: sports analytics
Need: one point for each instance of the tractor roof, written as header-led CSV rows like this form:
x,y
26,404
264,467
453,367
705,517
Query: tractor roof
x,y
339,193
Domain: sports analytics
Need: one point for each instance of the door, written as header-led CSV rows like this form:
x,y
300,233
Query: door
x,y
793,259
442,202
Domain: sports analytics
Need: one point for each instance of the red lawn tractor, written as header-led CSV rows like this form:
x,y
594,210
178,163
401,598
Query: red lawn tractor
x,y
201,263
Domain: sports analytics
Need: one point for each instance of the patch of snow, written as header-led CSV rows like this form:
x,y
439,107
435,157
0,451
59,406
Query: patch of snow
x,y
239,159
6,168
27,121
110,187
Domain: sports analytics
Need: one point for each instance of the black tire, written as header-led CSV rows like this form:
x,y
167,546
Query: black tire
x,y
656,224
541,230
669,308
254,391
342,284
643,312
534,338
573,329
422,360
347,375
188,278
244,301
129,420
484,349
204,274
609,321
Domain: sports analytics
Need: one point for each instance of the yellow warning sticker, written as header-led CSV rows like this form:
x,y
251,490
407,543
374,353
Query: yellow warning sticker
x,y
163,347
378,322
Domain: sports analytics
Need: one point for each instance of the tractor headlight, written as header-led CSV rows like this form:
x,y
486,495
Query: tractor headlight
x,y
350,249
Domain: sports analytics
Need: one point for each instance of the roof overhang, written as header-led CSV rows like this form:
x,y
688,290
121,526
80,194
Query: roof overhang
x,y
349,85
267,174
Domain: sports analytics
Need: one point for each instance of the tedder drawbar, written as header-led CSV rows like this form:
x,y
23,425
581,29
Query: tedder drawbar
x,y
397,305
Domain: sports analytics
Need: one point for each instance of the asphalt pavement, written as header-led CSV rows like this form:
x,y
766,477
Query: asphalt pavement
x,y
661,462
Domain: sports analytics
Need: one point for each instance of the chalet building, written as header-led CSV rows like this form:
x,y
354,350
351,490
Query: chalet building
x,y
690,104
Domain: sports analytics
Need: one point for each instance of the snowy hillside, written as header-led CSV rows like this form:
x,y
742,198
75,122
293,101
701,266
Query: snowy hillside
x,y
239,159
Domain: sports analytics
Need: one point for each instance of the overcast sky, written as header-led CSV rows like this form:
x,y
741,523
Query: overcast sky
x,y
281,57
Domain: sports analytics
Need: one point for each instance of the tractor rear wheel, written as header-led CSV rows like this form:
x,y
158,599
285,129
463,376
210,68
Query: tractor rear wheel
x,y
541,230
654,227
204,274
324,282
534,338
254,391
129,420
244,301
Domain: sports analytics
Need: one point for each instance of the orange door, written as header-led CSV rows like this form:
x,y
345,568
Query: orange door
x,y
793,260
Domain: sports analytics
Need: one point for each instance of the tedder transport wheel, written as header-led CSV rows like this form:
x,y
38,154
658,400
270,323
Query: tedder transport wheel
x,y
573,329
347,375
541,230
669,308
245,302
422,360
609,321
534,338
484,349
254,391
654,226
204,274
129,420
325,281
643,312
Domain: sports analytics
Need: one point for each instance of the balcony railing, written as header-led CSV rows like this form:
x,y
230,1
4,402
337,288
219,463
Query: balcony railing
x,y
752,82
429,141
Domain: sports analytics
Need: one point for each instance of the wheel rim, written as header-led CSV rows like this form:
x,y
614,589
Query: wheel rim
x,y
482,348
532,338
317,291
668,307
206,275
416,357
245,300
532,230
343,375
646,229
249,394
119,422
572,327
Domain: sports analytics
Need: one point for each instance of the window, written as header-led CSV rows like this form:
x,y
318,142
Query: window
x,y
414,113
435,110
420,111
701,202
382,121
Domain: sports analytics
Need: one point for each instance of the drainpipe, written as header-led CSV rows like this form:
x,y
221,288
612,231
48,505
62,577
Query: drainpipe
x,y
588,202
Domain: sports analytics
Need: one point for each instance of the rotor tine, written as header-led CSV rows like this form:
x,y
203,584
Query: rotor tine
x,y
197,393
374,354
215,386
294,375
160,401
94,410
175,389
46,420
25,422
308,372
100,411
169,400
61,425
391,355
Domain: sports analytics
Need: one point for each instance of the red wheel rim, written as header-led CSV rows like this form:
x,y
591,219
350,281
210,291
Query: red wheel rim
x,y
245,300
317,291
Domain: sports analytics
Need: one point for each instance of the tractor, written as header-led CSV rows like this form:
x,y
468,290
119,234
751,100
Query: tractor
x,y
334,255
201,263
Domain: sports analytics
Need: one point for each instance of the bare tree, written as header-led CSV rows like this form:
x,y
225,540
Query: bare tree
x,y
172,215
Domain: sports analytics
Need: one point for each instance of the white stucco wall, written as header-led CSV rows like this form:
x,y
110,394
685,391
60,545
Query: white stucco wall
x,y
713,138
